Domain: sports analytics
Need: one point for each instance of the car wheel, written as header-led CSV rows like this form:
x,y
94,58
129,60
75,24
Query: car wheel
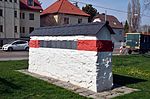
x,y
27,48
130,52
10,49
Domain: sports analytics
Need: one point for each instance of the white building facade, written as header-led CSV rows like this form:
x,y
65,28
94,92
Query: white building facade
x,y
29,17
9,19
14,24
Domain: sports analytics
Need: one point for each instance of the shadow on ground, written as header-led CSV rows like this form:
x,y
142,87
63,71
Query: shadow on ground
x,y
7,86
120,80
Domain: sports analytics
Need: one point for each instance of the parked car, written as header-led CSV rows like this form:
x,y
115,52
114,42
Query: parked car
x,y
16,45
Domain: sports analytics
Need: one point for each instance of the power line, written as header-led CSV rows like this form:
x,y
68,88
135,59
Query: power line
x,y
107,8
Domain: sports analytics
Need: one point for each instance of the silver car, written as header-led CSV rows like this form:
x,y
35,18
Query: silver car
x,y
16,45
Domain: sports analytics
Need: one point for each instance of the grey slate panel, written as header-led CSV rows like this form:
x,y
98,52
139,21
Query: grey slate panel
x,y
59,44
70,30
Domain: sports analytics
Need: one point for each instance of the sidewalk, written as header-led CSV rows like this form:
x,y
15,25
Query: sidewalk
x,y
13,58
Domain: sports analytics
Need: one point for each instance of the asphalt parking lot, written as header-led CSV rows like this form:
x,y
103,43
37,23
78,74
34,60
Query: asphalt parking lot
x,y
13,55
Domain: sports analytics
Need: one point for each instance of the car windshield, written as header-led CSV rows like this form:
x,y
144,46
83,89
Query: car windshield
x,y
10,42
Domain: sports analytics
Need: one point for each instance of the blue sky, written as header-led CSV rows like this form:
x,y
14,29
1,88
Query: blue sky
x,y
114,4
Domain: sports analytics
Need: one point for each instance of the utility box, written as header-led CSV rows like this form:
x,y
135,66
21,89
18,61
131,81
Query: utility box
x,y
80,54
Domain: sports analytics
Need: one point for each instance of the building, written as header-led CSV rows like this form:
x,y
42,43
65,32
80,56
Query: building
x,y
80,54
9,20
114,23
63,12
29,16
18,18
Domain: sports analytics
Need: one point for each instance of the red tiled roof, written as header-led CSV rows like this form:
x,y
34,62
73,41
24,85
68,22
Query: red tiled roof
x,y
64,7
113,21
25,6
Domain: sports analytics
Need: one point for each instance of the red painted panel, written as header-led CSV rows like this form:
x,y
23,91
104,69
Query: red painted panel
x,y
87,45
95,45
34,43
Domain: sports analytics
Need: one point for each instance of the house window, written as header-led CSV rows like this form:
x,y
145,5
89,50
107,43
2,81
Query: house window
x,y
15,1
15,14
1,28
22,15
20,29
23,29
66,20
31,29
31,16
80,20
15,29
6,0
30,2
1,12
10,0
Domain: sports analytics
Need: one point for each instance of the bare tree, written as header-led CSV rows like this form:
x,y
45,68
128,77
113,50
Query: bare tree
x,y
147,4
129,17
134,17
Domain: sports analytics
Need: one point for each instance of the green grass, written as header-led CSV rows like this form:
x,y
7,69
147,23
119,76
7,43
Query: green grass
x,y
15,85
133,71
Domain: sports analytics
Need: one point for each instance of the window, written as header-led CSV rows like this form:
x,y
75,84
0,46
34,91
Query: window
x,y
31,16
31,29
10,0
19,42
20,29
1,12
22,15
79,20
66,20
1,28
15,14
6,0
15,1
15,29
23,29
30,2
0,0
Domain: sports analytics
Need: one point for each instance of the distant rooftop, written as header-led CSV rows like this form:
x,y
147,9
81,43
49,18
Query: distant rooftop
x,y
36,5
113,21
64,7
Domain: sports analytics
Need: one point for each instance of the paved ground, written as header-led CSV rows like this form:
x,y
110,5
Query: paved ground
x,y
14,55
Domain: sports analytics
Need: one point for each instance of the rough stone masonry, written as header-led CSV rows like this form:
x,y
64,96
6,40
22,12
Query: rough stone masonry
x,y
79,54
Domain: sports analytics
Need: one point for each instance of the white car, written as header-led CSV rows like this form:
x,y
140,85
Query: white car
x,y
16,45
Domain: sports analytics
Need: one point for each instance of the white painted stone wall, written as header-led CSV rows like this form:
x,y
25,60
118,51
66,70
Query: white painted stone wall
x,y
88,69
76,67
